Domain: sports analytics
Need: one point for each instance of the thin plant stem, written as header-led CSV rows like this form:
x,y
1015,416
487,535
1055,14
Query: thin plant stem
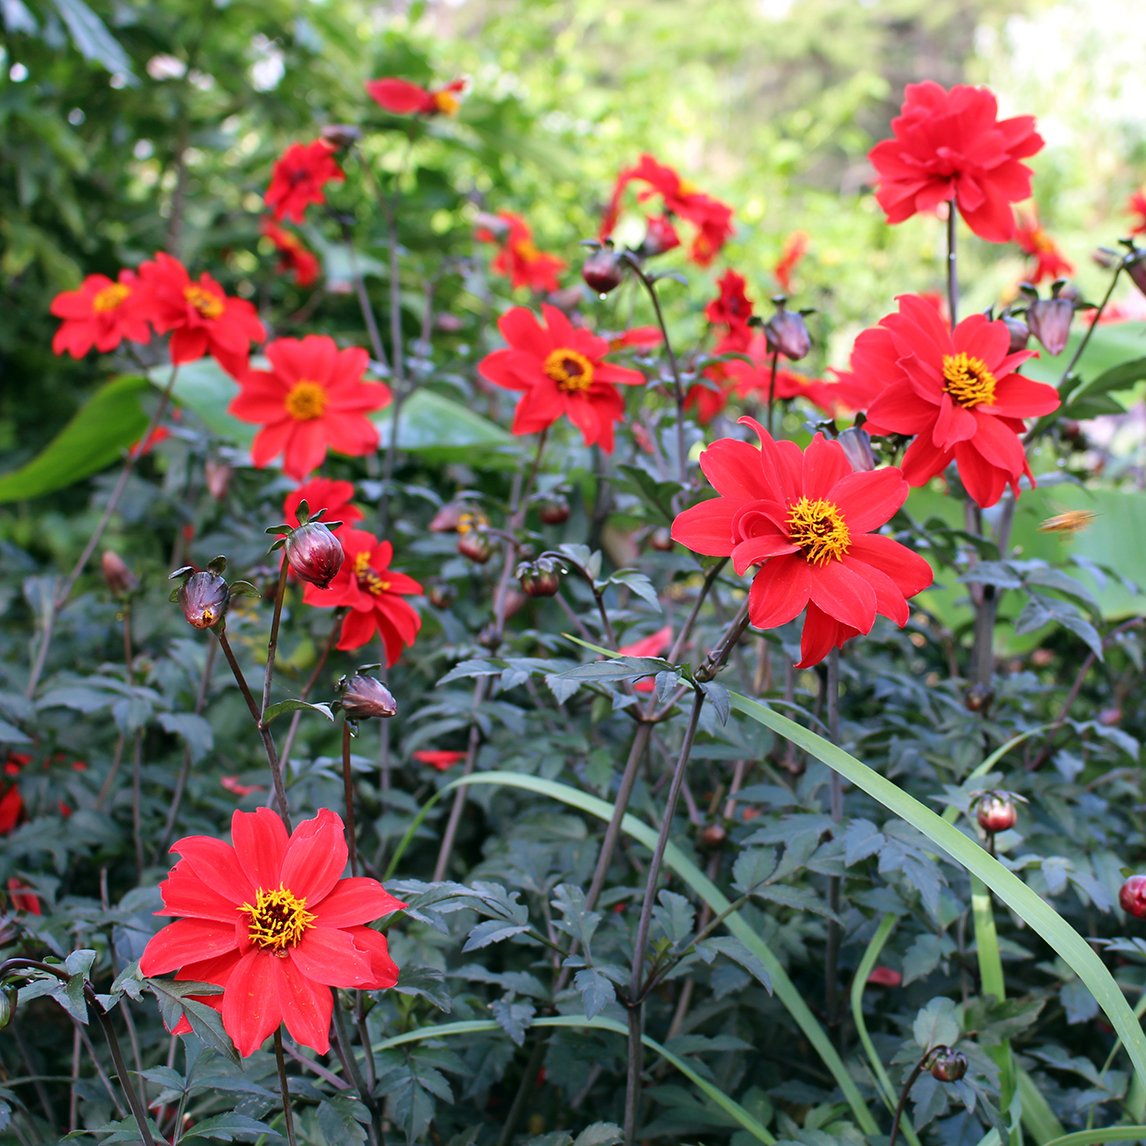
x,y
348,797
900,1106
836,808
311,681
365,1090
284,1088
137,801
772,388
273,638
952,265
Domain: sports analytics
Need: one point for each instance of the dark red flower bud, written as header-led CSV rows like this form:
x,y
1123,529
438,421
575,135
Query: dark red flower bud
x,y
440,595
948,1065
1132,897
554,510
365,698
203,598
713,837
661,539
117,576
1049,320
314,553
1019,331
603,270
857,445
475,545
996,812
217,476
978,698
787,333
540,578
340,136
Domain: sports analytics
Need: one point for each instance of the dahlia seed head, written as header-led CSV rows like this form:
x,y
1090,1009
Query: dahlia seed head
x,y
314,553
203,598
540,578
365,698
1049,320
787,333
948,1065
603,270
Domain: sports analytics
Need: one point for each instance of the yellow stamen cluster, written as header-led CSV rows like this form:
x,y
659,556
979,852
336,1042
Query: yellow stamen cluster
x,y
366,577
472,521
278,919
968,380
446,102
818,528
208,304
306,401
572,371
110,298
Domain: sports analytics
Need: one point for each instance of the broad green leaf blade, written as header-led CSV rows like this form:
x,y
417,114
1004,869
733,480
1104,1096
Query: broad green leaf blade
x,y
1100,1137
1030,907
106,425
206,389
437,426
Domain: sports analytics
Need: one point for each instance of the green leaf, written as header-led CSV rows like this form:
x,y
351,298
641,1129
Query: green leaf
x,y
93,40
293,705
937,1024
102,430
230,1127
597,992
445,430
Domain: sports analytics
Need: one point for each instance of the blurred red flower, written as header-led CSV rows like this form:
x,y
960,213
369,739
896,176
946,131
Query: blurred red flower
x,y
99,315
299,178
711,217
313,399
270,920
323,493
200,316
806,519
732,308
559,369
956,391
405,98
439,758
654,645
518,258
1050,263
1137,206
795,247
293,255
950,144
373,593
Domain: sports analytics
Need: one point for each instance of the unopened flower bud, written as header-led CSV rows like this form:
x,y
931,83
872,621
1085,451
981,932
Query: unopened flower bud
x,y
603,270
1132,896
787,333
661,539
1049,320
856,442
340,135
713,837
203,598
440,595
117,576
365,698
314,553
554,510
540,578
217,476
474,544
1019,331
996,812
948,1065
978,698
661,236
1136,269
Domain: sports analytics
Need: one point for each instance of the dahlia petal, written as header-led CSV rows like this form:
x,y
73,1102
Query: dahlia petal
x,y
260,841
306,1007
707,527
520,328
357,630
185,941
270,441
733,468
910,572
779,592
1020,397
922,461
867,500
821,634
383,969
185,894
756,549
328,955
215,863
356,901
251,1007
999,444
983,481
844,594
825,463
315,857
952,424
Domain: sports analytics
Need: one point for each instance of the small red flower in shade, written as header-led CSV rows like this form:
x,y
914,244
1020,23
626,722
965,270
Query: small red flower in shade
x,y
711,217
654,645
1132,896
956,391
405,98
323,493
559,369
270,920
1137,206
795,247
313,399
805,519
200,316
236,787
732,308
100,315
439,758
639,338
882,976
951,144
1050,263
293,255
373,593
299,178
519,260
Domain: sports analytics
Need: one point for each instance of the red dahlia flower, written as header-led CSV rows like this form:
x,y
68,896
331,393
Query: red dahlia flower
x,y
313,398
440,758
100,315
956,391
654,645
299,178
559,369
732,308
806,519
952,145
323,493
293,256
270,920
795,247
404,98
519,260
373,593
1137,206
1050,263
711,217
200,317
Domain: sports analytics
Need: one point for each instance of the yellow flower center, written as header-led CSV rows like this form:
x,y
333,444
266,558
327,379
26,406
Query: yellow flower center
x,y
207,303
526,250
968,380
572,372
278,919
306,401
446,102
819,529
110,298
367,578
472,522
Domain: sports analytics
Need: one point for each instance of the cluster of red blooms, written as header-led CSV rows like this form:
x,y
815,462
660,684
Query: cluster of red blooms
x,y
518,258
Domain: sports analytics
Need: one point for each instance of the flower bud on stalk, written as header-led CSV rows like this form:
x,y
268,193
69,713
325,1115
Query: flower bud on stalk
x,y
948,1065
1050,318
440,595
203,598
787,333
1019,331
540,578
365,698
603,270
857,446
661,539
314,553
1132,897
117,576
554,510
475,546
217,476
996,812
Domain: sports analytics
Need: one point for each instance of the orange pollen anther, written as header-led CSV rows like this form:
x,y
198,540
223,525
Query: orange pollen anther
x,y
278,919
367,579
110,298
526,250
968,380
818,528
306,401
207,303
446,102
571,370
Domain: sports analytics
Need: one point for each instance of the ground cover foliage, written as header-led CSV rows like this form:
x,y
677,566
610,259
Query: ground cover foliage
x,y
677,740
